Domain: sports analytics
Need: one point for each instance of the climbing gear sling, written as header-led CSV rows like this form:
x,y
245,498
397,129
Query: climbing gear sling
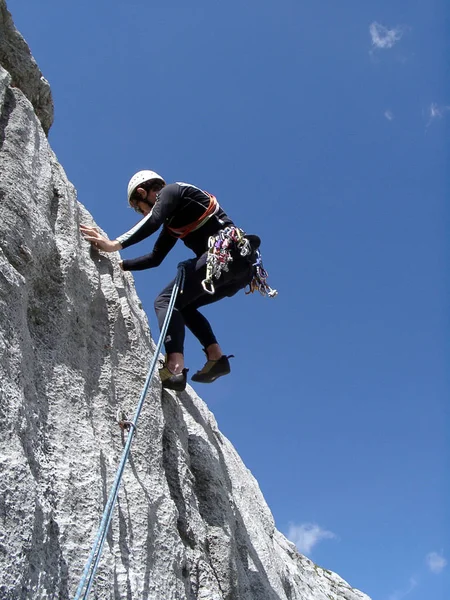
x,y
259,281
219,256
92,563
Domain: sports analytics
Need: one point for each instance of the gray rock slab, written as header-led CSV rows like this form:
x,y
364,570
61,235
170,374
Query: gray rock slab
x,y
191,522
16,58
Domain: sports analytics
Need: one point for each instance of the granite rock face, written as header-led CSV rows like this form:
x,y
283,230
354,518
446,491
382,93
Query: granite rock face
x,y
16,58
191,522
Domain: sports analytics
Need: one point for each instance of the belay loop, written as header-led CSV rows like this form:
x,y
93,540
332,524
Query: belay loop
x,y
219,254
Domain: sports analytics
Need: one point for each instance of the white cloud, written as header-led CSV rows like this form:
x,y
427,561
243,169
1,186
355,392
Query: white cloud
x,y
382,37
389,115
400,594
436,562
437,112
307,535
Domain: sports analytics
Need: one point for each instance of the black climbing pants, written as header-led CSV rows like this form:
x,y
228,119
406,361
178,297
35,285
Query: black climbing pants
x,y
186,311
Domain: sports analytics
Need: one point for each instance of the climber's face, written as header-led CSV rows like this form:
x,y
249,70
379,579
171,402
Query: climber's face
x,y
143,208
147,200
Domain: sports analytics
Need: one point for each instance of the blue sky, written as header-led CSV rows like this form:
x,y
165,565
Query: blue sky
x,y
323,127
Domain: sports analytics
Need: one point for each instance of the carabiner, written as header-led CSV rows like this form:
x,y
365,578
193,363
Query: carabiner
x,y
205,284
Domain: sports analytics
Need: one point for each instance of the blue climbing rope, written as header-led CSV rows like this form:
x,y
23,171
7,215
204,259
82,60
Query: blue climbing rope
x,y
90,569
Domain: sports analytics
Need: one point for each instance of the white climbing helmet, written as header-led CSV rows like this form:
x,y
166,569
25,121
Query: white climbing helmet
x,y
142,177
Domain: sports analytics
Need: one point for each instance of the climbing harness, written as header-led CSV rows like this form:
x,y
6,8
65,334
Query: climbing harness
x,y
90,569
219,254
259,281
181,232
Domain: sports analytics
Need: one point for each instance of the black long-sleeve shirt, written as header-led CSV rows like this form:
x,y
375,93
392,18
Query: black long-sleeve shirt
x,y
177,205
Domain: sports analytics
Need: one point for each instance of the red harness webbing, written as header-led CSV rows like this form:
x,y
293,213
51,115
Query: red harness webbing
x,y
181,232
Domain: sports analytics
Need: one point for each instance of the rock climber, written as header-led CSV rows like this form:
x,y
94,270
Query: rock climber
x,y
223,253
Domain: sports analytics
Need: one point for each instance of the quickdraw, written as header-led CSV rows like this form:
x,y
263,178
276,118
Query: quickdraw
x,y
219,254
123,421
259,281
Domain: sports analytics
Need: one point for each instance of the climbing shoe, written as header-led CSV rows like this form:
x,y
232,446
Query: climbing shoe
x,y
213,369
171,381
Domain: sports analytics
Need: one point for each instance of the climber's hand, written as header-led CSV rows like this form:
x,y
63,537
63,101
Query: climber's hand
x,y
93,235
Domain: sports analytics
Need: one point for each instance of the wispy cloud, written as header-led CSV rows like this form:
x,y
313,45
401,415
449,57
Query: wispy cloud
x,y
400,594
437,112
384,38
308,535
389,115
434,113
436,562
